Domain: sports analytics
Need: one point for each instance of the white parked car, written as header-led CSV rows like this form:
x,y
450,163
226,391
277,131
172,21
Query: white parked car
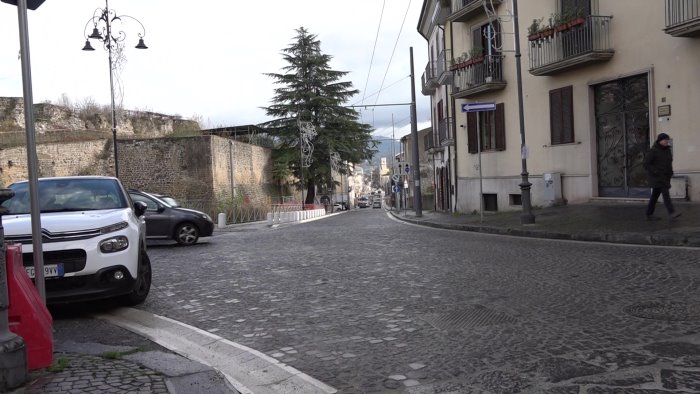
x,y
93,238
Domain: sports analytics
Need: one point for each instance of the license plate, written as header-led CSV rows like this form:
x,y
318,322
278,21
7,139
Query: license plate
x,y
50,271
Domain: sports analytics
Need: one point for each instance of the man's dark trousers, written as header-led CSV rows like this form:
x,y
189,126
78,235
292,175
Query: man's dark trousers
x,y
655,193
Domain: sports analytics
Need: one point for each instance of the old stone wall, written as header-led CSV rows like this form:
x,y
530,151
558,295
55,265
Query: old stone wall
x,y
193,169
51,117
252,181
75,158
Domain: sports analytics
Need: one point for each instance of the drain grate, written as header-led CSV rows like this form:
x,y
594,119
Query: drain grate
x,y
671,311
475,316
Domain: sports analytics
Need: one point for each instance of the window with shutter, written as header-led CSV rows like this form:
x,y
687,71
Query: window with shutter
x,y
491,129
471,133
500,122
561,115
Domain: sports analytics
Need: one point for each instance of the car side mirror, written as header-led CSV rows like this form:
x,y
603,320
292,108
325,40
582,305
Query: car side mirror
x,y
140,208
161,208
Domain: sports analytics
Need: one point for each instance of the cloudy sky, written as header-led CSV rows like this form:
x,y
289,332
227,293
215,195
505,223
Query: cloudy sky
x,y
206,58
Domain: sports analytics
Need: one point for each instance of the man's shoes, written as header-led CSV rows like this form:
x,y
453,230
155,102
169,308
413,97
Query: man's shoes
x,y
652,218
675,215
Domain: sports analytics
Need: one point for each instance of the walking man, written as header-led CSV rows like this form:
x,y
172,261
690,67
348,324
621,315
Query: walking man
x,y
658,164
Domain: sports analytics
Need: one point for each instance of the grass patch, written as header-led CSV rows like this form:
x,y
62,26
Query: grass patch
x,y
59,365
114,355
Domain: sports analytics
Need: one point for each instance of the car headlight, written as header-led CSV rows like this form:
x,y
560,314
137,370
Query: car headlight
x,y
114,244
206,217
114,227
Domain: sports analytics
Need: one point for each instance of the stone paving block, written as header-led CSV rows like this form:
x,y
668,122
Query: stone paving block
x,y
211,382
92,348
167,363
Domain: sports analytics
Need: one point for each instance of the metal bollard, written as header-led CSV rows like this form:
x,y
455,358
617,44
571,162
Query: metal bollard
x,y
13,352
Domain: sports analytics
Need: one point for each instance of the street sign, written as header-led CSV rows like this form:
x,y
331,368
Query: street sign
x,y
396,177
477,107
408,169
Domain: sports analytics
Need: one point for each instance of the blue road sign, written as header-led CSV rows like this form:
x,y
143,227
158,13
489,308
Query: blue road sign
x,y
477,107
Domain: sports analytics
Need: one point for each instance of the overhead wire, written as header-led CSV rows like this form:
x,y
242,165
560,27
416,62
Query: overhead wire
x,y
408,7
376,39
378,91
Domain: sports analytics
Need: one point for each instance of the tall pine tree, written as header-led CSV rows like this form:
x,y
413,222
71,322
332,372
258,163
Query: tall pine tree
x,y
311,93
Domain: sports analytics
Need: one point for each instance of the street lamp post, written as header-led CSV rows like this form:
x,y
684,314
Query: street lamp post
x,y
527,217
113,44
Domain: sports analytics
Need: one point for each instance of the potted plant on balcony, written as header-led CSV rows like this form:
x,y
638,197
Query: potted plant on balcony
x,y
547,30
559,22
533,32
476,55
577,17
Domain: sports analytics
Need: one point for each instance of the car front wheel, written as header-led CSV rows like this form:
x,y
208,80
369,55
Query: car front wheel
x,y
143,281
186,234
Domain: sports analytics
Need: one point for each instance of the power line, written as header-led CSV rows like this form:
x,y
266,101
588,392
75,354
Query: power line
x,y
394,50
376,39
357,103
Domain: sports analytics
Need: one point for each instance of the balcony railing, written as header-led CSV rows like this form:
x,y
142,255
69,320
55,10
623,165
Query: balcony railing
x,y
444,75
683,18
463,10
478,77
429,79
552,51
445,133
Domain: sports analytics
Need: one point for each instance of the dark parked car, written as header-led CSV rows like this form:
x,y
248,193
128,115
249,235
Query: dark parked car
x,y
166,219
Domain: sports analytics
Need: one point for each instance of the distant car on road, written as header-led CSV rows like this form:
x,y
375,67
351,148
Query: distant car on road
x,y
377,203
166,219
363,202
340,206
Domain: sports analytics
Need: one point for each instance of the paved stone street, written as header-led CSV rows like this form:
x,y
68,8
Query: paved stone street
x,y
368,304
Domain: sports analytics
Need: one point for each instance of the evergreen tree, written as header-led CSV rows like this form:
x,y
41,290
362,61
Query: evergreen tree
x,y
310,93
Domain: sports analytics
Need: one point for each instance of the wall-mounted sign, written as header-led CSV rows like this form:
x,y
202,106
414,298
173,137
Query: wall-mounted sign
x,y
664,110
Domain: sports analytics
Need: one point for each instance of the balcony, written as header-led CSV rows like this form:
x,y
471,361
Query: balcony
x,y
446,135
429,142
440,14
683,18
464,10
444,75
429,80
478,76
566,47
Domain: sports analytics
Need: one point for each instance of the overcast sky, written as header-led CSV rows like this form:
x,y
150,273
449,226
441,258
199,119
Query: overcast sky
x,y
206,58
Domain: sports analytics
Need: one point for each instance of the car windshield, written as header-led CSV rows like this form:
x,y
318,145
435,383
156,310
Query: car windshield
x,y
68,194
170,201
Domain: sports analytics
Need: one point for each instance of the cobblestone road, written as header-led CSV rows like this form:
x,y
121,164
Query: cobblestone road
x,y
367,304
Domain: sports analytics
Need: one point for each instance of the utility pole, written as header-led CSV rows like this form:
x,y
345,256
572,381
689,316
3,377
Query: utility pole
x,y
417,200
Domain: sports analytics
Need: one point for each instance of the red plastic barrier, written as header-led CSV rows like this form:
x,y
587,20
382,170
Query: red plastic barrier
x,y
28,316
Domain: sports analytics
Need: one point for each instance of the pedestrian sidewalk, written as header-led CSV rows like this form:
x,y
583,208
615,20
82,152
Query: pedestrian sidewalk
x,y
95,356
599,221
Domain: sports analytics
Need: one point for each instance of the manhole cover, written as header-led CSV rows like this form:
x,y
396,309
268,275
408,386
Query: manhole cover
x,y
475,316
655,310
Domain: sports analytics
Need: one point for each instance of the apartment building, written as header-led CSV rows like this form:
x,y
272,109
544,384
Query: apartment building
x,y
600,79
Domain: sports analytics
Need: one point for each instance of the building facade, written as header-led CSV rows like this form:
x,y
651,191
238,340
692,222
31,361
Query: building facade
x,y
600,79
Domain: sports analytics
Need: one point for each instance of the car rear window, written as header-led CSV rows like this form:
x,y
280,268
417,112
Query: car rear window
x,y
64,195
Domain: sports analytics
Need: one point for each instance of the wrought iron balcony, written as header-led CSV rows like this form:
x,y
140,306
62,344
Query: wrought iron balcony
x,y
464,10
444,75
478,76
429,79
446,135
571,45
683,18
